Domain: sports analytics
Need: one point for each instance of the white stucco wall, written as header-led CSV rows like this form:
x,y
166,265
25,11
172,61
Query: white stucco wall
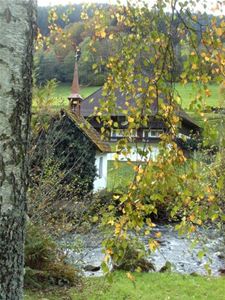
x,y
135,156
100,181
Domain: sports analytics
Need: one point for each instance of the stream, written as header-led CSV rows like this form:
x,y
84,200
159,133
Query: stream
x,y
176,249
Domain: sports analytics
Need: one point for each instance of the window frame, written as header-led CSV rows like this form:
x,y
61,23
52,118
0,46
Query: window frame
x,y
148,132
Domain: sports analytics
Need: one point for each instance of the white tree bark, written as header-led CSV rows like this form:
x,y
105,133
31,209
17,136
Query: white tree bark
x,y
17,19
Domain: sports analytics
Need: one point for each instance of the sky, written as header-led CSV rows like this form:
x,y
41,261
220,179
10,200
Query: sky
x,y
64,2
210,3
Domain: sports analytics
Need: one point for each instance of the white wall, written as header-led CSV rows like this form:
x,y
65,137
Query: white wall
x,y
135,156
100,182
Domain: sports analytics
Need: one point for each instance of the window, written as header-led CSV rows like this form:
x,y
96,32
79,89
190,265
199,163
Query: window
x,y
152,133
183,136
133,133
100,167
120,133
117,133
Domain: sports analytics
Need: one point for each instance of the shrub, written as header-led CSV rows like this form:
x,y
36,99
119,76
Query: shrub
x,y
40,249
132,257
44,262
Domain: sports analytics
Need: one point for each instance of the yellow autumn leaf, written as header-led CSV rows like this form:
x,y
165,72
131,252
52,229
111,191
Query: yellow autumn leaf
x,y
208,92
192,218
219,31
192,229
130,119
175,119
101,33
153,245
140,170
117,228
130,276
211,198
110,122
135,168
158,234
110,222
199,222
138,178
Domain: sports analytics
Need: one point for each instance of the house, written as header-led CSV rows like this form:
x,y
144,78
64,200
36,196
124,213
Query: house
x,y
92,141
82,118
80,141
148,134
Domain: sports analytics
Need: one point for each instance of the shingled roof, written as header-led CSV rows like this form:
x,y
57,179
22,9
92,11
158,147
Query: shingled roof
x,y
88,130
91,102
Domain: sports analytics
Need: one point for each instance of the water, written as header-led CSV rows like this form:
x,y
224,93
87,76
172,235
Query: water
x,y
176,249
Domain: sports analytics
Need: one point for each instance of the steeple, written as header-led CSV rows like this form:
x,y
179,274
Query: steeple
x,y
75,97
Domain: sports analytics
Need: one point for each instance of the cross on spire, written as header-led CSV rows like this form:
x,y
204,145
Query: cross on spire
x,y
77,54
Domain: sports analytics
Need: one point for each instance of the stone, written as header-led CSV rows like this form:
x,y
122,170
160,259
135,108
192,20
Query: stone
x,y
166,268
91,268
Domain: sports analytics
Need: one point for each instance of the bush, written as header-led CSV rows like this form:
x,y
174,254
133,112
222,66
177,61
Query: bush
x,y
44,262
40,249
132,258
97,79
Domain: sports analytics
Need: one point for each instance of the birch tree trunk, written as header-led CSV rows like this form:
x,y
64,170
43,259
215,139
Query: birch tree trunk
x,y
17,19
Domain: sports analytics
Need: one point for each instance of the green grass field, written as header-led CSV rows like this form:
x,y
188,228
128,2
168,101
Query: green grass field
x,y
187,93
63,90
148,286
120,174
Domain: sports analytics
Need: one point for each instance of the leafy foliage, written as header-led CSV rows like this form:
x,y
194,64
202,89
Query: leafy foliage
x,y
132,257
159,46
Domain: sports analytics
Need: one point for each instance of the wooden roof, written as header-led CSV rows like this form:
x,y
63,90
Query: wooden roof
x,y
92,101
88,130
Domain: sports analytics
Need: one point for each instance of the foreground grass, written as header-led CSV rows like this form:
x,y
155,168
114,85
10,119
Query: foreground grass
x,y
148,286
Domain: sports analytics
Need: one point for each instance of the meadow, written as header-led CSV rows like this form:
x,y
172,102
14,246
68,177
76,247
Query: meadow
x,y
147,286
187,93
63,90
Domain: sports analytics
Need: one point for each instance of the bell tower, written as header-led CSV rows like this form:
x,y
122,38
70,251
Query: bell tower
x,y
75,98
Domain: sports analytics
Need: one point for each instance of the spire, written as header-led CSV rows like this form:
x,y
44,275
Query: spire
x,y
75,97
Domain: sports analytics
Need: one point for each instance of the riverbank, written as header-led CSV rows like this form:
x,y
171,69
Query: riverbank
x,y
148,286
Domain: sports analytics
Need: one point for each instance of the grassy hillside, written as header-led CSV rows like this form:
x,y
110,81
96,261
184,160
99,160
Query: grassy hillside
x,y
58,97
187,93
63,90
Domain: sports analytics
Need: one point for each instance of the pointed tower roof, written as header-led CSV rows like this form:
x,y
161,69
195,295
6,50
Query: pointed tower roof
x,y
75,89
